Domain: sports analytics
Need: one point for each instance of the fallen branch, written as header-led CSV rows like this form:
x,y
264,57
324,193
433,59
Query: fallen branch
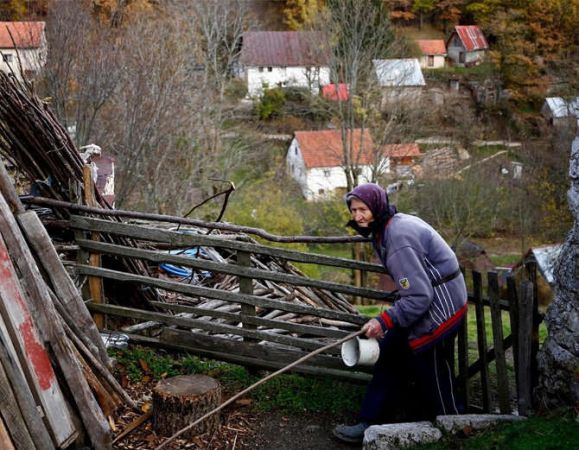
x,y
194,222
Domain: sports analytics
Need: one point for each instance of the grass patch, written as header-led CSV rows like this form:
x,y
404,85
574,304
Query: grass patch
x,y
370,310
536,433
506,260
291,393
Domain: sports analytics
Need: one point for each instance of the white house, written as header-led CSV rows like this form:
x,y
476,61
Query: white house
x,y
466,45
284,58
558,110
23,48
433,53
315,160
399,79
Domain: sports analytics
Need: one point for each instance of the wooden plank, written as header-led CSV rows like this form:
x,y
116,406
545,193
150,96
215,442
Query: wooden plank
x,y
177,344
17,406
231,269
525,353
289,326
192,240
221,295
121,311
497,326
57,409
481,339
5,441
514,319
463,363
246,287
95,284
251,349
476,366
32,352
62,284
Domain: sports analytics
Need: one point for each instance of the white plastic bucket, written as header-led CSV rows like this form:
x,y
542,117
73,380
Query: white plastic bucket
x,y
360,352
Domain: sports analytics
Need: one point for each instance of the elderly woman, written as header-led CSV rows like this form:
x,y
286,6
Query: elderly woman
x,y
417,332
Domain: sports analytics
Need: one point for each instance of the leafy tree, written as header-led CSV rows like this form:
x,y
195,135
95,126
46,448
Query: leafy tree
x,y
12,10
300,13
401,10
423,7
449,12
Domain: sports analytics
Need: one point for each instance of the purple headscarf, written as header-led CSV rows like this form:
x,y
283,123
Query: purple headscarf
x,y
376,199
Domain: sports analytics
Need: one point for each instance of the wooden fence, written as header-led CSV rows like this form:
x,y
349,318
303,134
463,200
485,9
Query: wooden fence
x,y
250,339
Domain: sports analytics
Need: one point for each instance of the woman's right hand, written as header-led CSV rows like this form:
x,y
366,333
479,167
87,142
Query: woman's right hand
x,y
373,329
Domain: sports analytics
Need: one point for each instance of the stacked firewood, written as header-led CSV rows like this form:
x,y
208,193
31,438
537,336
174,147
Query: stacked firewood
x,y
56,388
34,142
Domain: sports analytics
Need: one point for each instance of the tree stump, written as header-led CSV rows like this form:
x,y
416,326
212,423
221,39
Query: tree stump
x,y
179,401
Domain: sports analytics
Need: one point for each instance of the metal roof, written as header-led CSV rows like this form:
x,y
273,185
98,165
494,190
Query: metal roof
x,y
559,107
398,72
284,48
471,36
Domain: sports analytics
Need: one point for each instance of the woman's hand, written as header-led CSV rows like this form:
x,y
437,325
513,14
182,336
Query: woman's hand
x,y
373,329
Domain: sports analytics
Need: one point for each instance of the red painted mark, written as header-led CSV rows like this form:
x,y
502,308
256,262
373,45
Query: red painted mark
x,y
37,356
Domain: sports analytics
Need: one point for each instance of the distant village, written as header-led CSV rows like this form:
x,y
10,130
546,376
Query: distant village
x,y
293,59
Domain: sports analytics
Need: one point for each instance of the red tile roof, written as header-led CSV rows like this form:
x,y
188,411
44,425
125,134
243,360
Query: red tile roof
x,y
338,92
324,148
400,150
471,36
432,46
25,34
283,48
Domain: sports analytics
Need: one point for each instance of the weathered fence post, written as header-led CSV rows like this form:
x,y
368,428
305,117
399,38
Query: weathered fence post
x,y
497,326
514,320
525,350
481,338
246,287
95,284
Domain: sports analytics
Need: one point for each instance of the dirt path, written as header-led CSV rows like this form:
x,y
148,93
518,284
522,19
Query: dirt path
x,y
296,432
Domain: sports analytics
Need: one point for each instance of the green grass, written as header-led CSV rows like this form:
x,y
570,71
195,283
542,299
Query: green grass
x,y
557,432
506,260
291,393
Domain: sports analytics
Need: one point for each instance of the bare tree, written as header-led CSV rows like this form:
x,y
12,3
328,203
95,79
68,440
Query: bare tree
x,y
358,32
82,70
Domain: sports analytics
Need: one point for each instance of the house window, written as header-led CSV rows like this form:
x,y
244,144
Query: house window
x,y
7,57
296,150
260,69
326,173
270,69
321,191
430,61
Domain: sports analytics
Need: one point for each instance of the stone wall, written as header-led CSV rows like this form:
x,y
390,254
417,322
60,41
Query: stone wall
x,y
558,359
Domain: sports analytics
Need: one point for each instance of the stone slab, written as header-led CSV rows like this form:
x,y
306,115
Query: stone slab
x,y
455,424
400,435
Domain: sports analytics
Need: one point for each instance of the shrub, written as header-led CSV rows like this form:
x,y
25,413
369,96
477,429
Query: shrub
x,y
271,103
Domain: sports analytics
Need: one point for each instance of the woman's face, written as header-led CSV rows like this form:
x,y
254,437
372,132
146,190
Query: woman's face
x,y
361,214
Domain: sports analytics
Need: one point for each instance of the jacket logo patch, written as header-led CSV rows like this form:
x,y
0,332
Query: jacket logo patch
x,y
404,283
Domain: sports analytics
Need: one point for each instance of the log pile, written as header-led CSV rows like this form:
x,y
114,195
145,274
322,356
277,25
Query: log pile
x,y
37,145
56,388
